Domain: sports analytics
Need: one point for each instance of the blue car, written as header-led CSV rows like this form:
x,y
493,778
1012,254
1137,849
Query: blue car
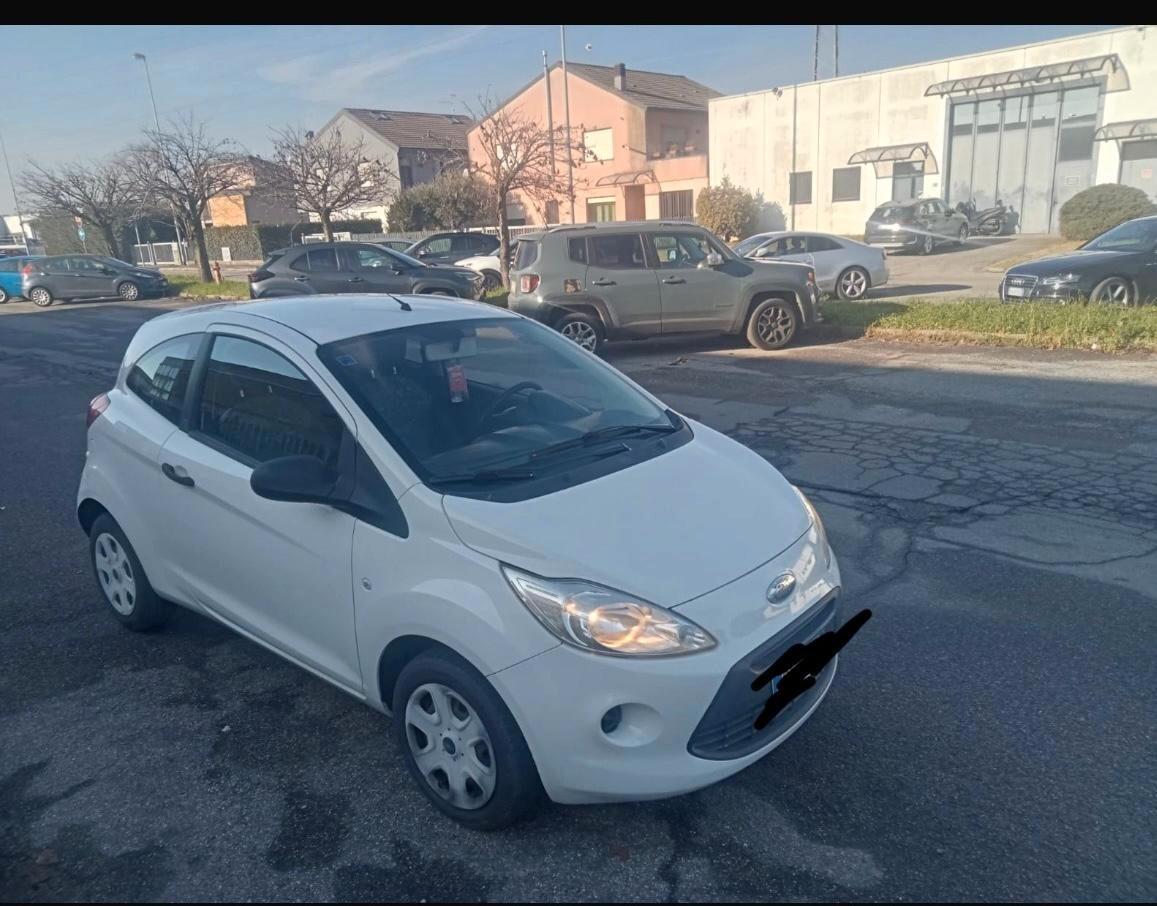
x,y
10,276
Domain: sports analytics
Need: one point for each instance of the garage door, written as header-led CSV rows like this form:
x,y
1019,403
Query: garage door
x,y
1139,166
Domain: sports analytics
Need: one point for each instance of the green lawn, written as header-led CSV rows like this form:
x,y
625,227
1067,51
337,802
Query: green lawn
x,y
191,288
986,322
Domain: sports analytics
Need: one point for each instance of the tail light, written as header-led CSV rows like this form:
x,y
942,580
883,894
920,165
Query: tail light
x,y
528,283
27,269
95,408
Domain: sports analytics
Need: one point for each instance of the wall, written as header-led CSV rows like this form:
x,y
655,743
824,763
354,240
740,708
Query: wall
x,y
377,148
751,134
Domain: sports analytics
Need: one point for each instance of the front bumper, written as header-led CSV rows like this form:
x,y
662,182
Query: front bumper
x,y
1025,288
687,721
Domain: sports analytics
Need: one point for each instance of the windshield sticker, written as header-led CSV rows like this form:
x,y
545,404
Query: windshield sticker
x,y
456,379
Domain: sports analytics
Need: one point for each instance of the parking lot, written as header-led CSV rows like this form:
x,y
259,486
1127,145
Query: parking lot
x,y
990,735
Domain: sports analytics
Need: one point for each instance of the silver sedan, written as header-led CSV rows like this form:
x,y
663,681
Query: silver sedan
x,y
844,267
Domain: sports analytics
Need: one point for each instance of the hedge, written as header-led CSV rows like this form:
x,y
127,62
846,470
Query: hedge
x,y
255,241
1099,208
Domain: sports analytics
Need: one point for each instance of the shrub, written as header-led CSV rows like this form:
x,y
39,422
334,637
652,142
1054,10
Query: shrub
x,y
1099,208
728,211
450,202
411,211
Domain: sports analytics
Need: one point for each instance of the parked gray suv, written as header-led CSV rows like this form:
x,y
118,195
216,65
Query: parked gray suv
x,y
357,267
594,282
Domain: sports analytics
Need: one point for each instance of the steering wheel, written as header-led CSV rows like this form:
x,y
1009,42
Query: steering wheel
x,y
500,404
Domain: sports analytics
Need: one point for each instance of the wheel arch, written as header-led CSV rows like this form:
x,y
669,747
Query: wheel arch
x,y
761,295
399,652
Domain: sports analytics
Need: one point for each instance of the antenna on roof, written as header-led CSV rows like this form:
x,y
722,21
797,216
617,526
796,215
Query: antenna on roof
x,y
402,302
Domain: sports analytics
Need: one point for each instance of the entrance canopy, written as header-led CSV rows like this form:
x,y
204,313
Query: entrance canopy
x,y
1031,75
1126,129
883,157
626,179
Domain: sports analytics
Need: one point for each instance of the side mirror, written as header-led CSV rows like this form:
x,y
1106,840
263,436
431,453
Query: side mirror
x,y
295,479
425,253
713,259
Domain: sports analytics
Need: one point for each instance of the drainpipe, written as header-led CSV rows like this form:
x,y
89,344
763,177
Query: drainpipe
x,y
791,177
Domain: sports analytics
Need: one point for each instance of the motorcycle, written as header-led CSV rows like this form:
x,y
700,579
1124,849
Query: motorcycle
x,y
994,221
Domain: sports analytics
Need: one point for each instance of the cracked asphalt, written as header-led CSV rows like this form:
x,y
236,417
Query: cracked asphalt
x,y
990,735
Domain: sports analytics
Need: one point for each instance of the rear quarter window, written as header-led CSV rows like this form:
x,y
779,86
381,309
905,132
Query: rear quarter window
x,y
160,377
577,250
526,254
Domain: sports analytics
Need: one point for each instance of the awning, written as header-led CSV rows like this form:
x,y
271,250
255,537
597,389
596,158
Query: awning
x,y
1027,76
626,179
1126,129
883,158
891,152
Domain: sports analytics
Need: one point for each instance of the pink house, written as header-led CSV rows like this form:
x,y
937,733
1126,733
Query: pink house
x,y
645,135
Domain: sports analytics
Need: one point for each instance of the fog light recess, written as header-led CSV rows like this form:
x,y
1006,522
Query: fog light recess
x,y
612,719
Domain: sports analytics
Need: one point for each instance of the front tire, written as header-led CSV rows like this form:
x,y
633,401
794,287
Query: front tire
x,y
128,291
772,324
1112,291
585,329
927,244
962,236
40,297
462,745
853,283
493,280
121,578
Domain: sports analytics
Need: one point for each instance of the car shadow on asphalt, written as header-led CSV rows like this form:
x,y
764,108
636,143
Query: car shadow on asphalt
x,y
913,289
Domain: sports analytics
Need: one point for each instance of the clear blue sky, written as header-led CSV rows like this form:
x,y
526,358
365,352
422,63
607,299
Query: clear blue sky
x,y
77,92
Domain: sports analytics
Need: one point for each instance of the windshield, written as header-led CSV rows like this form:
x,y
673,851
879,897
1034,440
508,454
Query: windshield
x,y
1133,236
403,257
460,397
891,212
749,245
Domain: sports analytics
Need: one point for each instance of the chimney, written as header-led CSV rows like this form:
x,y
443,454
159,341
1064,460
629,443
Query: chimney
x,y
620,77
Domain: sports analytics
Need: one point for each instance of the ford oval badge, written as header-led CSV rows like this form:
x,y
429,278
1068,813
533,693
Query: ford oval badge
x,y
781,588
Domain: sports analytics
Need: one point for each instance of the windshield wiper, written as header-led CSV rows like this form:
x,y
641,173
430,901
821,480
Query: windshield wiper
x,y
610,432
483,476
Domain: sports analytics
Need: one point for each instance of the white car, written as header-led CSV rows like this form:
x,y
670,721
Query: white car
x,y
554,583
488,266
844,267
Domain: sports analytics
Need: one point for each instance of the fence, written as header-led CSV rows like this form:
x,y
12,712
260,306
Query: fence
x,y
155,253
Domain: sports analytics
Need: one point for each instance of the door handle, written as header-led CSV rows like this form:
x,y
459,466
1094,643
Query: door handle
x,y
673,280
356,280
172,474
602,281
302,279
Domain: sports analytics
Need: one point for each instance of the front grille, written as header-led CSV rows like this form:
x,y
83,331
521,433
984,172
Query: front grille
x,y
1027,282
727,729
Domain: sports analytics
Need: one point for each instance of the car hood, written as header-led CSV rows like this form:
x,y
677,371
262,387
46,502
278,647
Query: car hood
x,y
146,273
667,530
476,261
453,269
1071,261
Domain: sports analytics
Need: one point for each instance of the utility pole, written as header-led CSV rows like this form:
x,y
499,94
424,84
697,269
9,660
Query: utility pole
x,y
549,113
836,53
791,179
816,57
566,114
157,123
15,195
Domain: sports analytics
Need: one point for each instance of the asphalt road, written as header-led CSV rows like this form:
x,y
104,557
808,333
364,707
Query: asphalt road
x,y
990,735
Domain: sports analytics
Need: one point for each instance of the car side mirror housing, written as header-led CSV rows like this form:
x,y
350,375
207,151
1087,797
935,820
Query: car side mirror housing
x,y
713,259
295,479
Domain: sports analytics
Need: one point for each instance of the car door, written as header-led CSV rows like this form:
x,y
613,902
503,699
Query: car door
x,y
93,278
618,275
828,259
691,297
61,277
280,572
375,270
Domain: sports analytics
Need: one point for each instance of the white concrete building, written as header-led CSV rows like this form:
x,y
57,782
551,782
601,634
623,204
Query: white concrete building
x,y
1031,125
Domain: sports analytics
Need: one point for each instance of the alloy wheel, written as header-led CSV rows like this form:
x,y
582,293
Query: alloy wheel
x,y
581,333
929,244
128,291
115,573
450,746
40,297
853,283
775,324
1114,291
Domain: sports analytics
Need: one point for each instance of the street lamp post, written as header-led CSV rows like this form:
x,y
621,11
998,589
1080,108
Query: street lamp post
x,y
157,123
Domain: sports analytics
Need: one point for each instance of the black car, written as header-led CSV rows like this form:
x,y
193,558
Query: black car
x,y
357,267
88,277
919,225
447,248
1118,267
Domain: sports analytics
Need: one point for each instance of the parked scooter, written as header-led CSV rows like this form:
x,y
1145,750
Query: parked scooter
x,y
994,221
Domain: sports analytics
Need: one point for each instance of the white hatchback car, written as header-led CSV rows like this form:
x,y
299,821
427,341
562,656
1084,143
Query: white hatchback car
x,y
554,583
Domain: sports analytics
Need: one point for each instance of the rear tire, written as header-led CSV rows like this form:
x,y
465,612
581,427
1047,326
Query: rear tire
x,y
452,727
584,329
853,283
40,297
3,296
772,325
962,236
122,579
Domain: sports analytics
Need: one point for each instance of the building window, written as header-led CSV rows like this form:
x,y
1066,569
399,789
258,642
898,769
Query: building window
x,y
677,205
846,184
406,172
674,139
600,211
599,144
907,180
800,191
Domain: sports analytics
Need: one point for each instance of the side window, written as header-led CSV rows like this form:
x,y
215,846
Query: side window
x,y
161,376
366,256
322,260
677,250
257,404
300,263
822,244
461,244
625,250
439,246
577,250
483,242
8,265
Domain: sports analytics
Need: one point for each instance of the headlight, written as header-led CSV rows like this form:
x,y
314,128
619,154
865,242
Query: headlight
x,y
824,549
603,620
1060,279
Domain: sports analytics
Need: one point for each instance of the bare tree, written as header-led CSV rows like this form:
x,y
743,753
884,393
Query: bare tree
x,y
103,194
327,175
516,154
184,167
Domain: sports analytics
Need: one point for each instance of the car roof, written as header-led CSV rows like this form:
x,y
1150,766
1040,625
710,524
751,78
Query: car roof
x,y
324,319
635,226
